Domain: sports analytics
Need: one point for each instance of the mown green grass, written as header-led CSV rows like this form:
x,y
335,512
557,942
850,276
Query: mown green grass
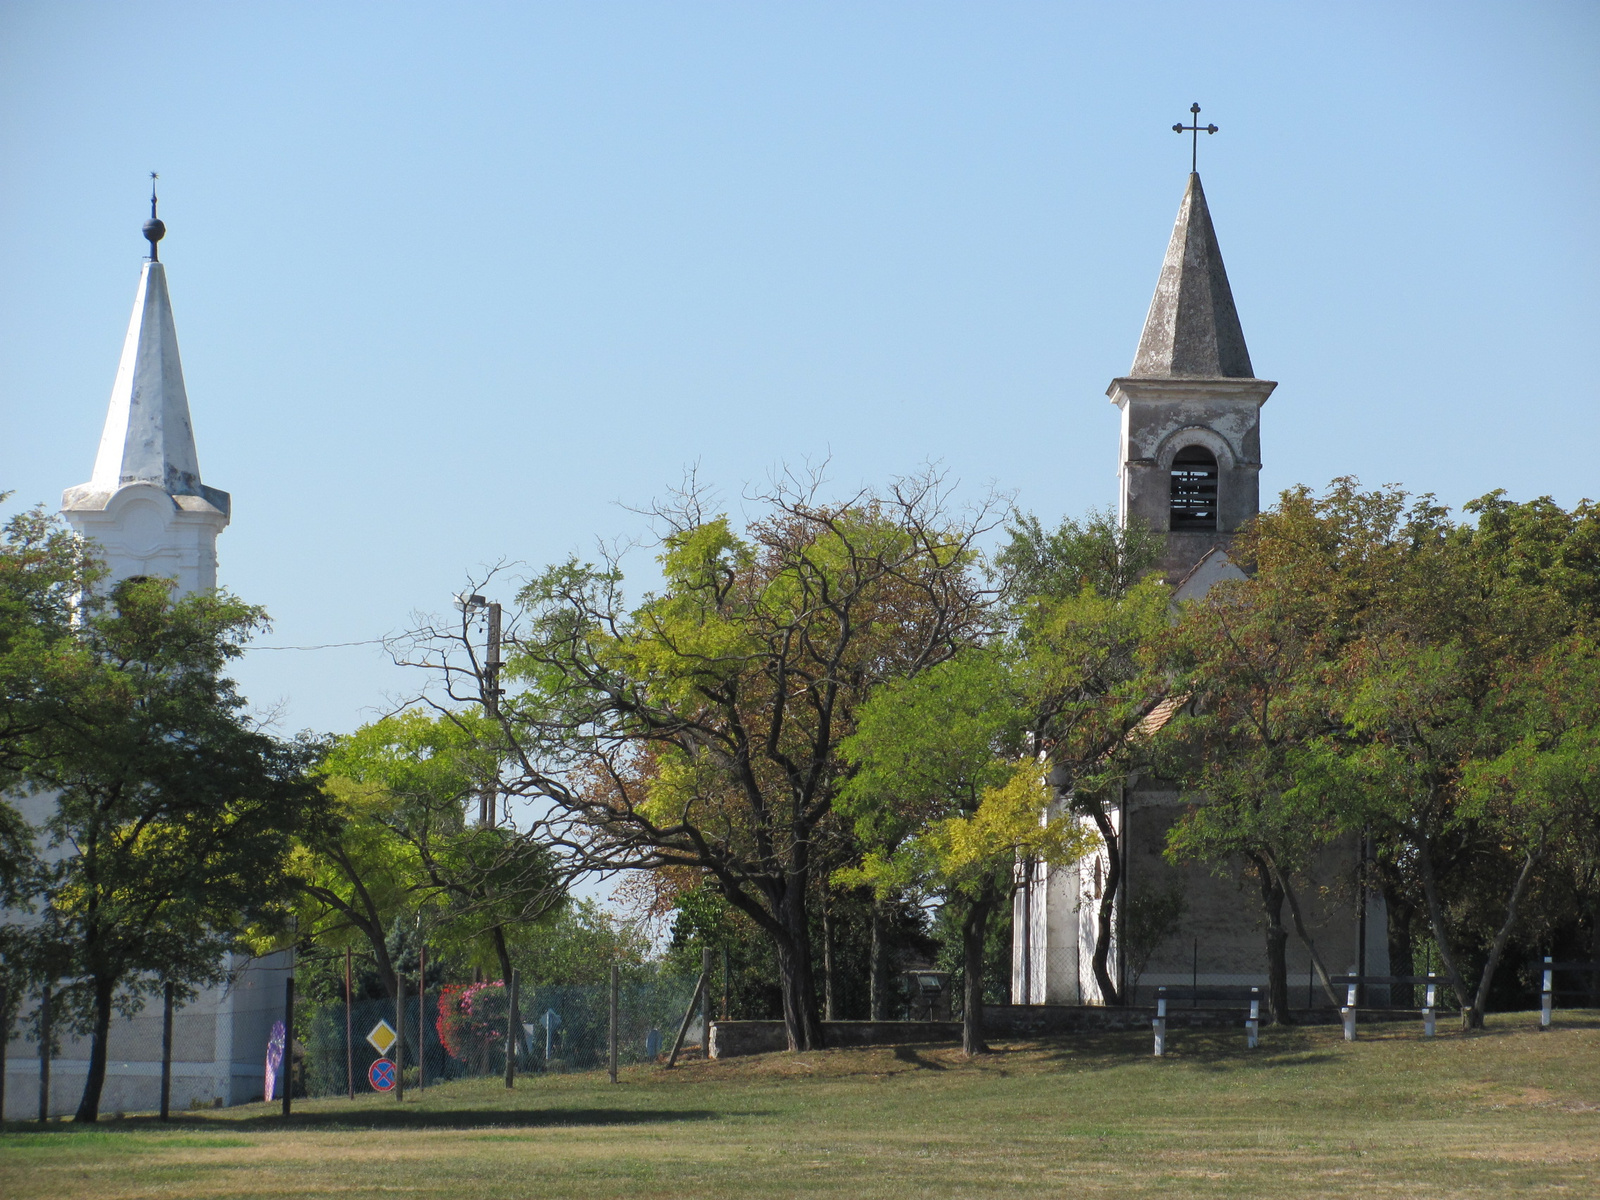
x,y
1503,1113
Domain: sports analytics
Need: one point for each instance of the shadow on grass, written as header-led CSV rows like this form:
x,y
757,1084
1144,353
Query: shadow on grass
x,y
908,1054
380,1118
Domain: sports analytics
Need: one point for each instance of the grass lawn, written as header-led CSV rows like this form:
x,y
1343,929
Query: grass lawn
x,y
1508,1112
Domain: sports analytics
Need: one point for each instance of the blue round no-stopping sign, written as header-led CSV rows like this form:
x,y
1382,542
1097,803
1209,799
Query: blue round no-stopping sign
x,y
381,1075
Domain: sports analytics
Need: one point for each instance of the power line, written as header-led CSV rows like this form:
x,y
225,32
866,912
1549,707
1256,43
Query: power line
x,y
324,646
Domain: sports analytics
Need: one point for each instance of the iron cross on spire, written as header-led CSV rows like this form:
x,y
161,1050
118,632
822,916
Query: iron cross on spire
x,y
1196,130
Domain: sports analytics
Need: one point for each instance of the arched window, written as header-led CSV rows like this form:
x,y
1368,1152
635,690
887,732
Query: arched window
x,y
1194,489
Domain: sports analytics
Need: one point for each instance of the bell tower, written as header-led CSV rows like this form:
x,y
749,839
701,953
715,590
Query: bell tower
x,y
1191,405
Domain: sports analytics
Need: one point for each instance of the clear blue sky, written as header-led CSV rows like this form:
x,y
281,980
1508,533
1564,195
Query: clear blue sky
x,y
451,280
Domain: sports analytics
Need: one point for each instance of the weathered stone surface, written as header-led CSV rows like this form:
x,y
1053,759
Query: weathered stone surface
x,y
1192,328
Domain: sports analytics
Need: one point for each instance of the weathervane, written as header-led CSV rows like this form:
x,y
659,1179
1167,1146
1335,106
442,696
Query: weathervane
x,y
1196,129
154,230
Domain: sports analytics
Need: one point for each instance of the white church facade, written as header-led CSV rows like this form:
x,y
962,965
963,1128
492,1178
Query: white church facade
x,y
150,514
1188,468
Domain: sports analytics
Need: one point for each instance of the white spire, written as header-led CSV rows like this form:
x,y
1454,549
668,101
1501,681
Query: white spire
x,y
145,504
148,437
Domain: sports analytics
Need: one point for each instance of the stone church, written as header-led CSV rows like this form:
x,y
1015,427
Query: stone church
x,y
147,508
1189,463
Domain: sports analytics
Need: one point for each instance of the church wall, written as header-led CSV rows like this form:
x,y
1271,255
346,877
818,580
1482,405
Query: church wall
x,y
219,1043
1223,930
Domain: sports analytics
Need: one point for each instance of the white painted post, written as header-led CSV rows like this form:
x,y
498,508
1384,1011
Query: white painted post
x,y
1427,1008
1548,996
1252,1027
1159,1025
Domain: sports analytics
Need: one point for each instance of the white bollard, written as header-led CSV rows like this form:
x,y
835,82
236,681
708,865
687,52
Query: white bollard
x,y
1427,1009
1349,1015
1159,1025
1252,1027
1548,996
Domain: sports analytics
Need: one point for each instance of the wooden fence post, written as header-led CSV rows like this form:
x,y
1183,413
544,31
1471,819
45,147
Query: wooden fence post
x,y
688,1016
705,1002
611,1040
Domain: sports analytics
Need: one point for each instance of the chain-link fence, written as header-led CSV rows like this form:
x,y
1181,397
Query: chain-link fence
x,y
461,1031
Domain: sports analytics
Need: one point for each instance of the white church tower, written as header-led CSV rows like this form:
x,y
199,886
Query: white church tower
x,y
145,504
151,515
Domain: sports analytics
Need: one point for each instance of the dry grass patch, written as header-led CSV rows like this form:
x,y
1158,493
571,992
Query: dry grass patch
x,y
1506,1112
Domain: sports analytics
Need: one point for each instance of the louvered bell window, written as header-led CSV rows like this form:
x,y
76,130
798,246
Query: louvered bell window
x,y
1194,489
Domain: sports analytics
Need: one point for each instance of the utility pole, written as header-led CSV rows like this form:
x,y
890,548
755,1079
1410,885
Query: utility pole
x,y
488,690
491,706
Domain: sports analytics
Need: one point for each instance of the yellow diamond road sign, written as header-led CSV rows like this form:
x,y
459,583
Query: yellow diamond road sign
x,y
382,1037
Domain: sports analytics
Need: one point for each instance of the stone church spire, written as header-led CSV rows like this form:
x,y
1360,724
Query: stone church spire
x,y
1193,328
145,503
1191,406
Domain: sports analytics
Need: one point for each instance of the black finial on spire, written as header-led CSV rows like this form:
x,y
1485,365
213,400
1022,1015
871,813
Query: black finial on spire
x,y
1196,129
154,230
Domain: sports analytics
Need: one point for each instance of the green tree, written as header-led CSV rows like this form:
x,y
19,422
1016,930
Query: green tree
x,y
701,729
404,845
174,815
945,806
1386,672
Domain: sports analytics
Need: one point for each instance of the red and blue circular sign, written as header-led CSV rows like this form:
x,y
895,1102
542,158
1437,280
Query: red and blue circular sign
x,y
381,1075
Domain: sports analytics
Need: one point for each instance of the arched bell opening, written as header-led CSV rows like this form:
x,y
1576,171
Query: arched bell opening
x,y
1194,490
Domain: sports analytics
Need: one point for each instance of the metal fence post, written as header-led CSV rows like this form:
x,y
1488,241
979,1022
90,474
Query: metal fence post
x,y
399,1036
511,1027
1547,996
44,1054
286,1068
611,1039
349,1042
1159,1024
422,1017
5,1037
166,1051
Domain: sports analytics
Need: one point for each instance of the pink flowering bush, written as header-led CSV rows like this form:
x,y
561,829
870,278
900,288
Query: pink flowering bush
x,y
472,1020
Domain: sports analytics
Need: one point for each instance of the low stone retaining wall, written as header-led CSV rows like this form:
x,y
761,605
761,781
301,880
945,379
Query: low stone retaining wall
x,y
730,1039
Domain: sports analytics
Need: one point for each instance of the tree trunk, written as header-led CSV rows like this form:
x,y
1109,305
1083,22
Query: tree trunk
x,y
503,953
1305,935
1402,952
1480,1002
974,926
1109,992
877,968
1277,945
795,976
94,1083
